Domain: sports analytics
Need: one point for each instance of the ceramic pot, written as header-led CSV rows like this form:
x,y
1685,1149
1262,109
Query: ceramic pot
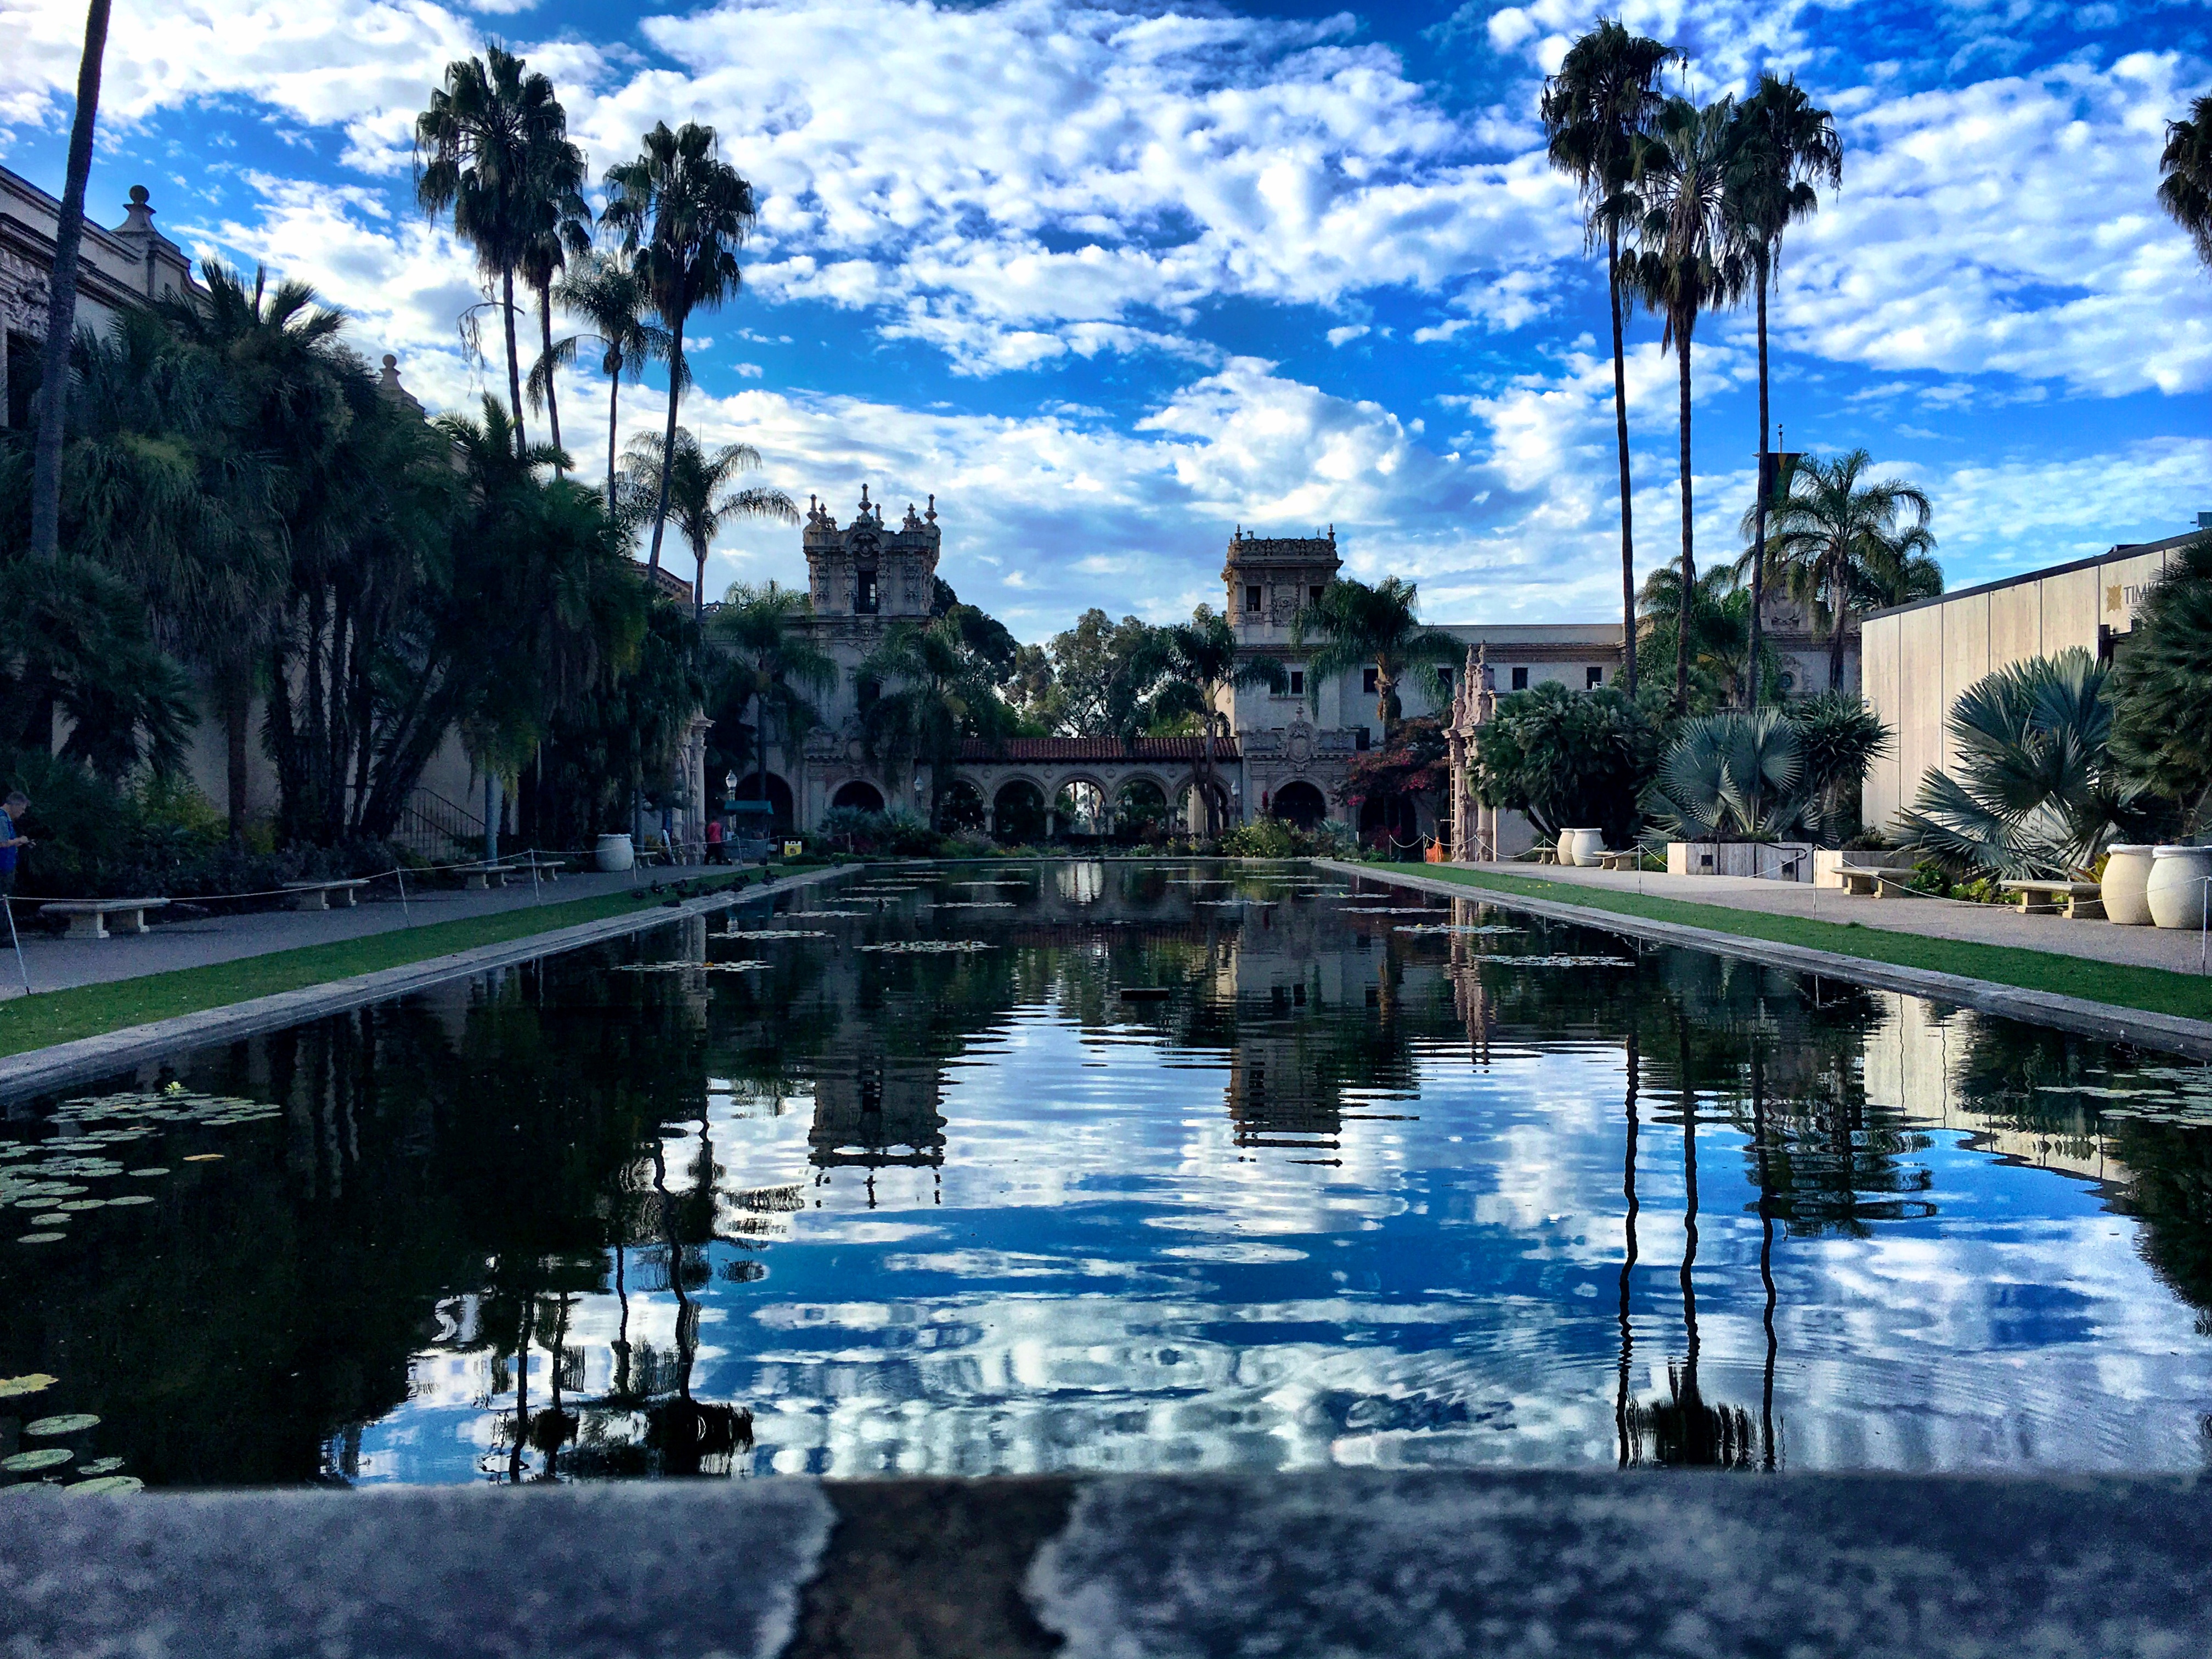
x,y
1581,847
614,853
2127,873
2176,887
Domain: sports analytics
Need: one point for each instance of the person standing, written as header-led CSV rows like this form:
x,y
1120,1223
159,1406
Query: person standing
x,y
12,838
716,854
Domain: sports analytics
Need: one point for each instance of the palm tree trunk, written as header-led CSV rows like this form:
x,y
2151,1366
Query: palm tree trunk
x,y
668,442
234,701
61,296
552,402
1689,561
514,359
1621,437
1758,541
1838,616
699,587
614,427
1628,1258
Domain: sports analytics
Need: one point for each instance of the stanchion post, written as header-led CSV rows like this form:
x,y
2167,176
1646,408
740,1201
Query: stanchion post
x,y
22,967
534,897
406,910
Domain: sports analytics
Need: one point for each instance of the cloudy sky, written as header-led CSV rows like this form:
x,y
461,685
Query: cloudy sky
x,y
1111,279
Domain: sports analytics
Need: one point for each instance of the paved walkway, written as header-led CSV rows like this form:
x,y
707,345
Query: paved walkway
x,y
56,964
1982,924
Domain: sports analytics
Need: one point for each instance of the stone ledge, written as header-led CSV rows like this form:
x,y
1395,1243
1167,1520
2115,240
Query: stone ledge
x,y
1342,1562
2169,1033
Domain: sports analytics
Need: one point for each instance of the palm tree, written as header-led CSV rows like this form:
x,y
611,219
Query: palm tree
x,y
1594,110
1379,628
696,488
1837,542
923,692
1199,664
2185,190
683,212
2162,685
1690,263
489,147
1779,144
603,290
1719,633
559,189
773,662
61,294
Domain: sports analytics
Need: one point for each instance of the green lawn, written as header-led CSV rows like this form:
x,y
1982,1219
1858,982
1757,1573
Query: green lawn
x,y
27,1022
2158,990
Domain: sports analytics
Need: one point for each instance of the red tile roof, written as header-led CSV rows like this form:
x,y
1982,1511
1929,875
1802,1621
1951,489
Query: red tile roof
x,y
1096,750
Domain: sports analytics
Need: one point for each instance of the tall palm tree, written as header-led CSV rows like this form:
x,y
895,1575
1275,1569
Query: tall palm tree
x,y
774,661
61,294
2185,190
566,233
1361,628
924,693
695,487
488,147
1691,263
1779,143
603,290
683,212
1603,99
1199,664
1841,539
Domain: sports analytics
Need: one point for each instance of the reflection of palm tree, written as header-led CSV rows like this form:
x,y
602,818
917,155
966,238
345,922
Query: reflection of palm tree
x,y
1628,1258
1766,1249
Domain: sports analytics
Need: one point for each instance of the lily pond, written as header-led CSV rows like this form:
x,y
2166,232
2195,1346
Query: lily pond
x,y
1001,1168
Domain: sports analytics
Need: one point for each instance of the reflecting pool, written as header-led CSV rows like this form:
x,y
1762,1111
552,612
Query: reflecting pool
x,y
897,1176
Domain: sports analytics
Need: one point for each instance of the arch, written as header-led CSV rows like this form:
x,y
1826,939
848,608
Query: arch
x,y
961,809
1300,802
779,801
1140,808
1190,810
859,796
1079,808
1017,811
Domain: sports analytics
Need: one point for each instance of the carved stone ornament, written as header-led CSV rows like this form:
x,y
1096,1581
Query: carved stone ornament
x,y
1260,745
1298,742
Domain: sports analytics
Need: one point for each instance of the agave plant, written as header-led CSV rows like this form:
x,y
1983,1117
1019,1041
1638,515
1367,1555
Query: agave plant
x,y
2036,793
1739,775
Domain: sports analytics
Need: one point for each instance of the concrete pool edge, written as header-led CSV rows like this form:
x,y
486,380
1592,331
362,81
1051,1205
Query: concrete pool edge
x,y
2112,1022
1332,1561
60,1064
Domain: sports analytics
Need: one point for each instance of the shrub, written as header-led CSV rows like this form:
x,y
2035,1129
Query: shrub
x,y
2161,686
1275,838
1567,759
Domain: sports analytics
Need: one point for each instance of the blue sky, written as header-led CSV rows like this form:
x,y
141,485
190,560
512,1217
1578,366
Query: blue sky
x,y
1112,279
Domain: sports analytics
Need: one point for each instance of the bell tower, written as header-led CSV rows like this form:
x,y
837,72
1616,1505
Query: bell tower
x,y
1271,579
868,569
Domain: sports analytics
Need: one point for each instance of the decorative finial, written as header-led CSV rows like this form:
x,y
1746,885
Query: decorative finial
x,y
138,198
391,361
932,515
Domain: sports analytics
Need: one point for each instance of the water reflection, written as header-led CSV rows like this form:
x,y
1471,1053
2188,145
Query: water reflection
x,y
898,1179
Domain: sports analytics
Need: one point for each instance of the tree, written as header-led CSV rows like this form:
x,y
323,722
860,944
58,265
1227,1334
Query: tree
x,y
1200,665
1602,100
682,213
695,487
1691,262
493,147
2185,189
923,692
1840,736
773,662
61,294
1719,632
1361,628
605,290
1836,541
1778,144
1567,758
2161,686
558,187
1736,776
1099,674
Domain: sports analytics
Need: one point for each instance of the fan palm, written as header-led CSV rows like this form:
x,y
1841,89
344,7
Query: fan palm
x,y
1736,775
2037,791
695,487
1692,262
1602,100
491,147
1779,143
602,289
682,213
1361,628
1199,664
774,661
2185,190
1838,541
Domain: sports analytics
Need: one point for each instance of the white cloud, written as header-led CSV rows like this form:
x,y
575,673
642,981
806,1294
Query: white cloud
x,y
1348,333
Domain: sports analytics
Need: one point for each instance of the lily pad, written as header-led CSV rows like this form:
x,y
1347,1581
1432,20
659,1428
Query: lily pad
x,y
133,1198
66,1422
29,1383
29,1462
39,1238
113,1486
85,1204
162,1170
103,1466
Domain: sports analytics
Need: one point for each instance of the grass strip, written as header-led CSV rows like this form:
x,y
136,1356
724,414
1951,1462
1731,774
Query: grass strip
x,y
51,1016
2155,990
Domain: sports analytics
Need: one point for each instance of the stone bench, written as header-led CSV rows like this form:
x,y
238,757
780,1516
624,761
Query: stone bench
x,y
88,918
1631,860
477,876
544,869
318,895
1865,881
2084,900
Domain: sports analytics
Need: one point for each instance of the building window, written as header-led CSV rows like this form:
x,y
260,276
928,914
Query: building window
x,y
1313,595
1297,681
1369,681
1520,679
864,593
1593,678
1361,738
1252,598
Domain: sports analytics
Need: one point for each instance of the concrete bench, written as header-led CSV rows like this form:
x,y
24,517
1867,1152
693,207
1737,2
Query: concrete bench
x,y
319,894
88,918
1631,860
544,869
481,876
1547,855
1865,881
2084,900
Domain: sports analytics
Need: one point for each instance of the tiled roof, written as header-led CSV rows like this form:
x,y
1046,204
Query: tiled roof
x,y
1097,751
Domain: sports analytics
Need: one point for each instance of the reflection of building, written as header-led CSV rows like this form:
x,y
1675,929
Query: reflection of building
x,y
874,1112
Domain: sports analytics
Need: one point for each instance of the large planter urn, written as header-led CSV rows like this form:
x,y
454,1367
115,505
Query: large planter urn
x,y
1581,847
614,855
2176,888
2127,877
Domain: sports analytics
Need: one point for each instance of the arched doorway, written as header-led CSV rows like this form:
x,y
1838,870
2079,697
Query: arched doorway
x,y
1080,810
1190,810
960,812
779,801
1141,809
1387,824
858,796
1018,813
1300,802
